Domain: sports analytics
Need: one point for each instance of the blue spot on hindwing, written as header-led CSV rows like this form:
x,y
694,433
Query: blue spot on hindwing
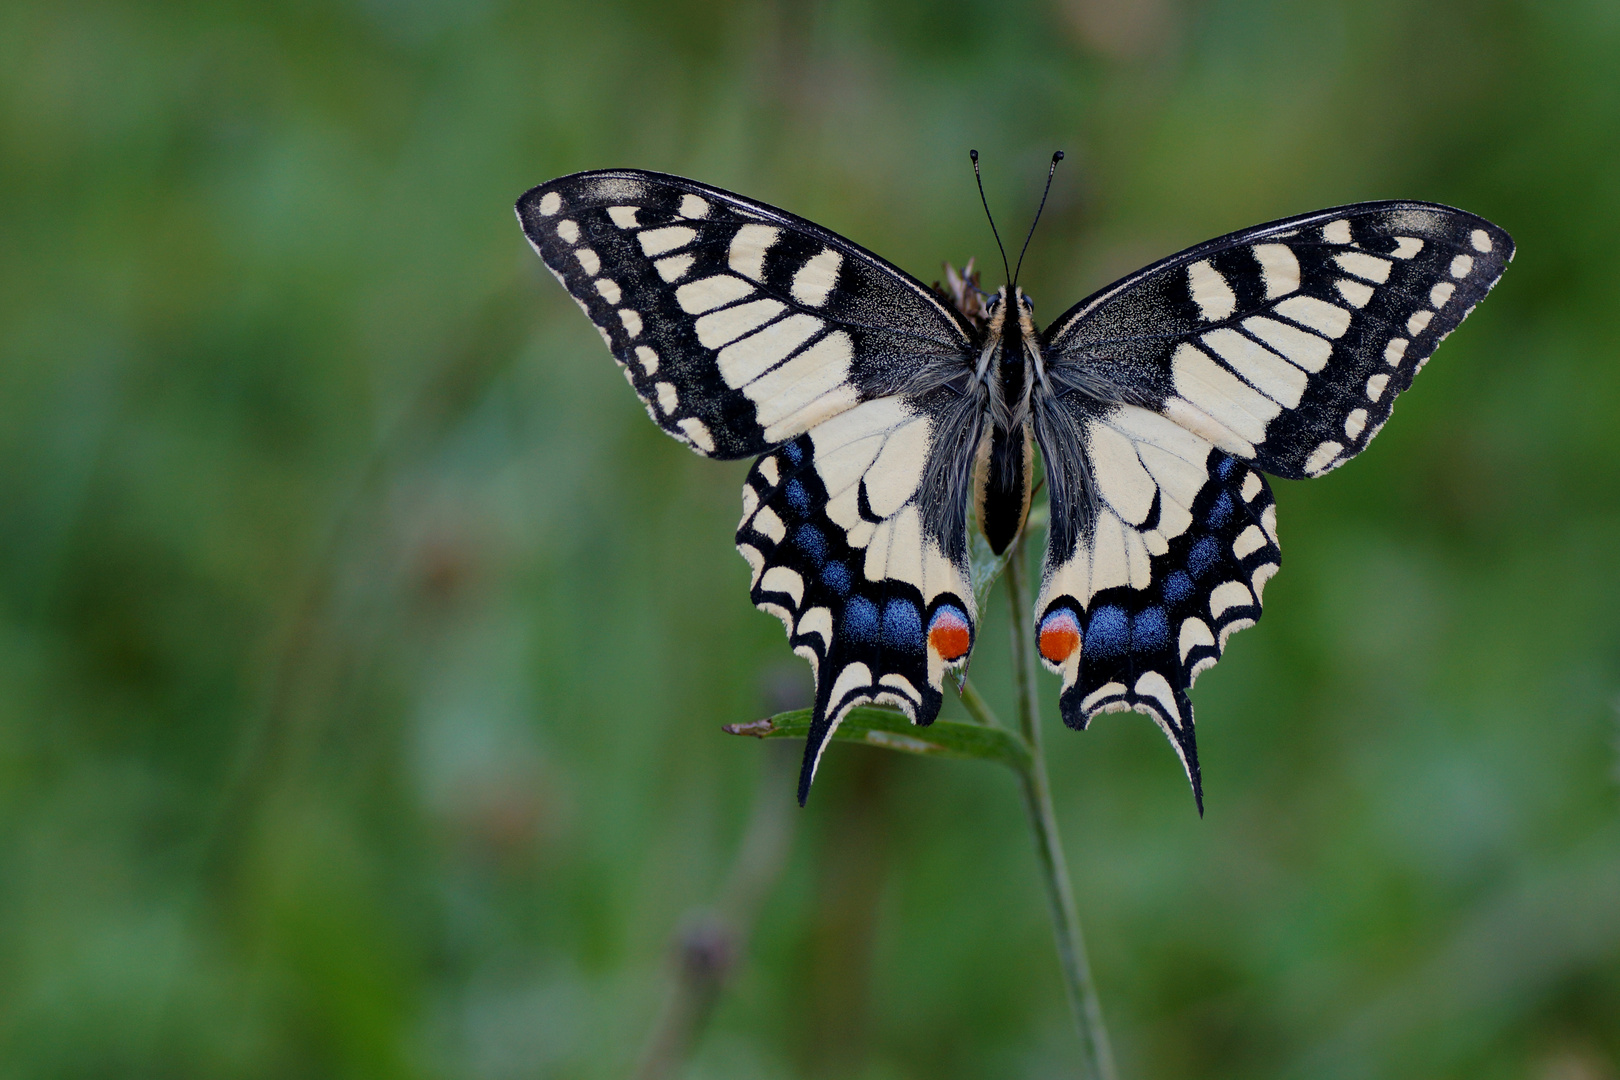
x,y
798,498
835,575
1203,556
1108,632
902,625
1177,587
861,621
1227,466
793,453
1221,512
1149,630
811,543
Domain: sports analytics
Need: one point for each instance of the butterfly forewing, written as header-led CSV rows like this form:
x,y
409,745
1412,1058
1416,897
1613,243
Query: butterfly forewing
x,y
739,325
1286,343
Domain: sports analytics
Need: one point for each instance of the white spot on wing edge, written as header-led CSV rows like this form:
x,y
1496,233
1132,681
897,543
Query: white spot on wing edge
x,y
768,523
668,399
568,230
609,290
1395,351
693,207
587,258
770,470
748,248
1251,486
814,281
1322,457
1480,239
1461,266
1355,423
1249,541
632,322
1418,322
1228,595
1337,232
1194,632
550,203
1210,291
818,620
1406,247
1106,690
1441,293
1279,269
647,358
781,579
623,216
1375,386
698,432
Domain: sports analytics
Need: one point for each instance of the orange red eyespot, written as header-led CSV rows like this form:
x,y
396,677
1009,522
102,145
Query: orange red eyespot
x,y
949,634
1060,636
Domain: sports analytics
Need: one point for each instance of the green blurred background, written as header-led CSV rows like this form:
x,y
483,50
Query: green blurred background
x,y
363,649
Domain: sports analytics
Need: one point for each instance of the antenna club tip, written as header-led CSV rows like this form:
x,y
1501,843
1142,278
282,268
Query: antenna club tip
x,y
1057,157
974,156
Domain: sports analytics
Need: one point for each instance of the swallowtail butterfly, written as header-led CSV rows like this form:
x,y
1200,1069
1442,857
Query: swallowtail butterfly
x,y
879,412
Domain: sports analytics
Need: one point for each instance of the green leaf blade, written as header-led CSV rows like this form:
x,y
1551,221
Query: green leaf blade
x,y
891,730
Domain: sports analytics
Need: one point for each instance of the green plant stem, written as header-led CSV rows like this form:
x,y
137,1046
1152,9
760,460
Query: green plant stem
x,y
1071,945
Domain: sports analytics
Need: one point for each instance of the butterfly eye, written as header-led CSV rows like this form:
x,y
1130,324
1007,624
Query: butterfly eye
x,y
1029,305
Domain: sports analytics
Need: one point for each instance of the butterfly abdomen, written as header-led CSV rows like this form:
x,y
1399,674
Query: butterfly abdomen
x,y
1002,475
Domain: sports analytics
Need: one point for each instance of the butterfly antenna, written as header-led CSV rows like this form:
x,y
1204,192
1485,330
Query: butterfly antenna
x,y
974,154
1056,157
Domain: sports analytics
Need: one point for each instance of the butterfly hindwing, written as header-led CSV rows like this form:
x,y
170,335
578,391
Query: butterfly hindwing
x,y
869,576
1287,343
739,325
1140,594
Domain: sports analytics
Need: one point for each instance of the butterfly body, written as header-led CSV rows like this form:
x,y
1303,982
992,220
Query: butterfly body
x,y
881,413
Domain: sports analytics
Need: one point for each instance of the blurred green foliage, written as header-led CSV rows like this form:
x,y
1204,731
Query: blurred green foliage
x,y
363,649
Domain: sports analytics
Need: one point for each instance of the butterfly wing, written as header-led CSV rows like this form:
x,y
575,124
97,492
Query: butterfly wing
x,y
1279,348
857,541
746,330
739,325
